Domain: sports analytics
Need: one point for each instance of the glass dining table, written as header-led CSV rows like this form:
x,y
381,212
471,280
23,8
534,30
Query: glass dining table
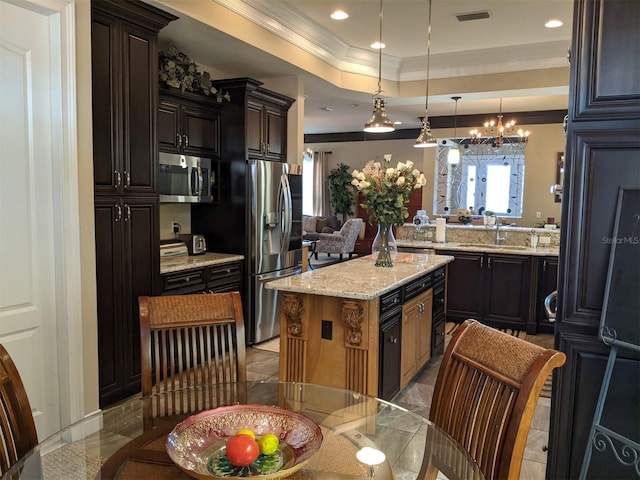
x,y
129,440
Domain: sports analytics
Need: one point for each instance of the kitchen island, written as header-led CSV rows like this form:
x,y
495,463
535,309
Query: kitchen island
x,y
356,326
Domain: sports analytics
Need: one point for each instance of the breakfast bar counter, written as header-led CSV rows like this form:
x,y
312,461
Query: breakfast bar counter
x,y
353,325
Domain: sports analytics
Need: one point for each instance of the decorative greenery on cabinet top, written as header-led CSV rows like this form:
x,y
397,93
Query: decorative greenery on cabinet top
x,y
177,70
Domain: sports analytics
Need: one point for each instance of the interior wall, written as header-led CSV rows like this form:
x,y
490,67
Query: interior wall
x,y
85,208
540,165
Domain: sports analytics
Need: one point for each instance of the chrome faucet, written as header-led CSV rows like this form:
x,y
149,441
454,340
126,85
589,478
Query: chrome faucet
x,y
499,238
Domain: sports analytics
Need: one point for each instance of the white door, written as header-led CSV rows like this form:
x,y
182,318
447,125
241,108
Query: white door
x,y
27,255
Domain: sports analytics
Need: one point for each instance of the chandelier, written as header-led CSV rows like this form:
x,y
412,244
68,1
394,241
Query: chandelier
x,y
497,133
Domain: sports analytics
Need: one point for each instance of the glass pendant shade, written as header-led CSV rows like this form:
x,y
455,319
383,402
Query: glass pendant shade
x,y
426,138
453,156
379,121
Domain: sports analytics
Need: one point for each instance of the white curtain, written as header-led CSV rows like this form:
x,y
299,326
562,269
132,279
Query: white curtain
x,y
321,205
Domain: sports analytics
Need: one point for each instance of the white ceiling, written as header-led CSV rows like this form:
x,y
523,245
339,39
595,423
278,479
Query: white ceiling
x,y
513,39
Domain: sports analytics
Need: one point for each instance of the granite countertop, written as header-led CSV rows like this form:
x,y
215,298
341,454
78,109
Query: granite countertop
x,y
539,251
184,262
359,278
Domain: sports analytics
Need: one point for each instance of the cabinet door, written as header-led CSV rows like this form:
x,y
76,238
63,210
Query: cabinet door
x,y
547,283
465,286
169,135
389,359
424,328
275,134
507,298
142,260
255,130
105,70
201,127
109,268
409,358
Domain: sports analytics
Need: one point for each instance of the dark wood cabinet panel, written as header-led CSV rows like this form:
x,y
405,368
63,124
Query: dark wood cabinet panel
x,y
606,60
225,277
275,121
189,124
124,83
389,357
602,154
493,289
124,61
127,266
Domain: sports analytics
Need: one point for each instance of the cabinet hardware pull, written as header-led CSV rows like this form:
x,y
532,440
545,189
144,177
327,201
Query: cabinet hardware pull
x,y
544,266
489,262
119,210
481,262
118,178
179,140
186,140
393,340
128,209
127,179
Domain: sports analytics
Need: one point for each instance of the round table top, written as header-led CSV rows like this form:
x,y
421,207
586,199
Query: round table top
x,y
128,440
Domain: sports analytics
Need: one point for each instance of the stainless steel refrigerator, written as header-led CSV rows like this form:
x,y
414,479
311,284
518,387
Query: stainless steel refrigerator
x,y
275,240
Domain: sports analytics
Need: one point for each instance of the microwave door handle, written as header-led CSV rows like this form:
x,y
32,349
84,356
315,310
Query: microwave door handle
x,y
285,191
195,181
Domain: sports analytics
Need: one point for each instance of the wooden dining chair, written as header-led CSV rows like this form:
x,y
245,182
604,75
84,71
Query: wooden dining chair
x,y
485,396
191,341
17,429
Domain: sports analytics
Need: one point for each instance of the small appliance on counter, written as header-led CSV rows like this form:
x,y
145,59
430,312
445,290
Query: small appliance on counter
x,y
196,244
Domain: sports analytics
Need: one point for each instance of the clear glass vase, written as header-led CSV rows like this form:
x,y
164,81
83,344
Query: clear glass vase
x,y
384,248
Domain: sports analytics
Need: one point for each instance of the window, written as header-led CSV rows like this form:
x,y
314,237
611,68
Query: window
x,y
307,183
487,178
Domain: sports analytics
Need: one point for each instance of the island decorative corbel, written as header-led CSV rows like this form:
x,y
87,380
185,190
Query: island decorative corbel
x,y
352,316
292,308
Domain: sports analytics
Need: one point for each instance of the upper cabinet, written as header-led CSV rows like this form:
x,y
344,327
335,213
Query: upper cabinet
x,y
189,124
255,124
266,130
124,61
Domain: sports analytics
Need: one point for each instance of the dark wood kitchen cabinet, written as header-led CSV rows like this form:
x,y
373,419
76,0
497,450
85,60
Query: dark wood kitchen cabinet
x,y
255,124
602,154
266,130
124,61
494,289
189,124
223,277
127,266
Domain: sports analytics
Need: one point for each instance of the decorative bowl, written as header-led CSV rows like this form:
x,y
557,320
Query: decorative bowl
x,y
197,445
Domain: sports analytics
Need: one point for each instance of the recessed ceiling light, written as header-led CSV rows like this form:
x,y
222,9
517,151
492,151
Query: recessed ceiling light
x,y
339,15
554,23
397,122
326,109
377,45
354,105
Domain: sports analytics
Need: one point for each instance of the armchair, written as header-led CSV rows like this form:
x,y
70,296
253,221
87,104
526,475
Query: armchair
x,y
340,242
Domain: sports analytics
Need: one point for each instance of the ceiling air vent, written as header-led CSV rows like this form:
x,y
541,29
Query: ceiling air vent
x,y
467,17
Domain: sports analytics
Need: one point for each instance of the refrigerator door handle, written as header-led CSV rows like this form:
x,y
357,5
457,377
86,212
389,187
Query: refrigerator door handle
x,y
287,207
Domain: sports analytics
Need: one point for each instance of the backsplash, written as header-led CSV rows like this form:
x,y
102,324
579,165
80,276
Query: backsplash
x,y
480,234
174,212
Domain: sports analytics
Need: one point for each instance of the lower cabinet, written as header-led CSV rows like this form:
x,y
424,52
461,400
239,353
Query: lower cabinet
x,y
495,289
127,266
416,335
389,355
225,277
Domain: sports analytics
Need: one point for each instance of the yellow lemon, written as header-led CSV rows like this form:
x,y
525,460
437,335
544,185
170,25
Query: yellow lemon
x,y
246,431
268,444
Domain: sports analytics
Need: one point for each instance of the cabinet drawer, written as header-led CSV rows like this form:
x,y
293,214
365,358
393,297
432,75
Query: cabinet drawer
x,y
216,272
390,300
416,287
177,282
438,277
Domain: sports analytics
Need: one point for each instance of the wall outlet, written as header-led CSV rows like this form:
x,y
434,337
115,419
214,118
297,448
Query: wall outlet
x,y
544,241
175,227
538,214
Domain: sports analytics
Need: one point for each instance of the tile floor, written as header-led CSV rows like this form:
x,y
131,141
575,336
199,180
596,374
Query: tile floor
x,y
263,364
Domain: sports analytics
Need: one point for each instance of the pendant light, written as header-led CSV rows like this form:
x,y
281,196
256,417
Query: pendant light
x,y
379,121
426,138
453,155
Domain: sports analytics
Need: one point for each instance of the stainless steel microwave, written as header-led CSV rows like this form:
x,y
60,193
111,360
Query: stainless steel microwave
x,y
184,179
